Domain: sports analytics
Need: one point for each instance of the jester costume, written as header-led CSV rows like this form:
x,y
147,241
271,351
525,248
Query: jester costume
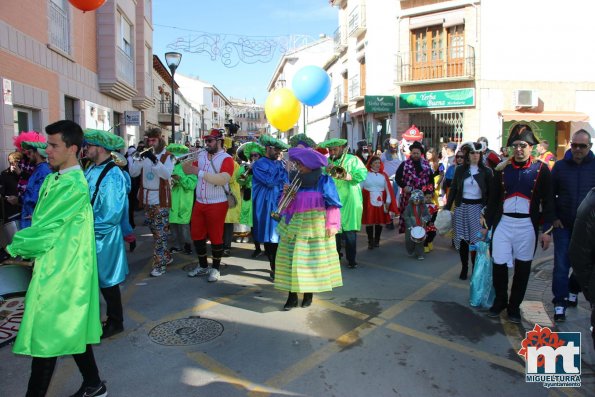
x,y
413,174
62,302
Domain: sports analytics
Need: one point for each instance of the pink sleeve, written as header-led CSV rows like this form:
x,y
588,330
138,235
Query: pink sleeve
x,y
333,218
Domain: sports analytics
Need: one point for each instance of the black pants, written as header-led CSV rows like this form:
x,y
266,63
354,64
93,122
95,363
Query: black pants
x,y
200,247
271,250
113,301
373,233
464,254
227,235
522,270
42,369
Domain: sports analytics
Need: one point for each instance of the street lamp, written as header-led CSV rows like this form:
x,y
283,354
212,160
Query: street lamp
x,y
173,60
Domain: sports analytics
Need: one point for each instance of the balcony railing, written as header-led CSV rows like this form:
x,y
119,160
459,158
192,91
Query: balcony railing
x,y
125,67
339,98
165,107
450,63
357,20
59,28
354,88
340,42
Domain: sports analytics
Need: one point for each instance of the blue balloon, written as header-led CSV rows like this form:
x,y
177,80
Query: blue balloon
x,y
311,85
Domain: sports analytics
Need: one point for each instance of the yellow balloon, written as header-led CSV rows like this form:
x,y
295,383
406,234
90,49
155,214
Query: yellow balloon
x,y
282,109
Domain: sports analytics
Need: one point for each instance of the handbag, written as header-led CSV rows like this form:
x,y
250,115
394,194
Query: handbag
x,y
443,222
232,200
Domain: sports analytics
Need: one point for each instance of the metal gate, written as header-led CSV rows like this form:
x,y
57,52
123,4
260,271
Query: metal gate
x,y
438,127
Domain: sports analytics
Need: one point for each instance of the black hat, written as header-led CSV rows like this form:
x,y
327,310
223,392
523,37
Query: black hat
x,y
417,145
362,143
522,132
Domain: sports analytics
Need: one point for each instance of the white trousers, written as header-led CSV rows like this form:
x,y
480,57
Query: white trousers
x,y
514,238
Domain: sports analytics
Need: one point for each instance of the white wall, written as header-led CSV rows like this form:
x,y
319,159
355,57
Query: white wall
x,y
535,40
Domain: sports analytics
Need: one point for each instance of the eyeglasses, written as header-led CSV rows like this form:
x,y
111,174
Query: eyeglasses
x,y
521,145
209,140
579,145
460,157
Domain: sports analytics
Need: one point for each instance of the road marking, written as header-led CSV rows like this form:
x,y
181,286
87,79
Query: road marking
x,y
349,338
491,358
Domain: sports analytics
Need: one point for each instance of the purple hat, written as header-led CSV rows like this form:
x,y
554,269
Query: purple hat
x,y
309,157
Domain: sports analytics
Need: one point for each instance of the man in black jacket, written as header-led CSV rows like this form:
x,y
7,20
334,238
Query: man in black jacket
x,y
582,253
572,178
519,200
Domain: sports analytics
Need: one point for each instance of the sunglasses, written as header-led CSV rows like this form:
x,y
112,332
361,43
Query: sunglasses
x,y
460,157
254,155
521,145
579,145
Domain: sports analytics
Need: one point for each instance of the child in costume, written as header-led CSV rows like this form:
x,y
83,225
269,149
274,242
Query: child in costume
x,y
415,214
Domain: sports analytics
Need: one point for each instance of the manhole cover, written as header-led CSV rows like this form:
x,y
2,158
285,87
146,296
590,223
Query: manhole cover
x,y
186,331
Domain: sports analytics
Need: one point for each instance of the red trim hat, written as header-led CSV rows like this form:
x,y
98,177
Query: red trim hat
x,y
215,133
413,134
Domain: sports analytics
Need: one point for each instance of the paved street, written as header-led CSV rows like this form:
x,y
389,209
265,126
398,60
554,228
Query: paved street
x,y
398,327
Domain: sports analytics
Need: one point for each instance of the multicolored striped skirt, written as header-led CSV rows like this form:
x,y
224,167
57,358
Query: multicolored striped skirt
x,y
307,260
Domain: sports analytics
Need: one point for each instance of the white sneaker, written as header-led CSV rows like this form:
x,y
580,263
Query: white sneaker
x,y
157,271
213,276
198,271
170,261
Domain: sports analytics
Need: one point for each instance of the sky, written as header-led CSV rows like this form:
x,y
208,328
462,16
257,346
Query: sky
x,y
247,35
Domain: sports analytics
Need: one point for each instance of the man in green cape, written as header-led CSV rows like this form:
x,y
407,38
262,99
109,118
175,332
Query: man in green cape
x,y
62,303
350,193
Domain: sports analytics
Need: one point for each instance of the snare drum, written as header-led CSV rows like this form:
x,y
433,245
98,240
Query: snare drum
x,y
418,234
14,281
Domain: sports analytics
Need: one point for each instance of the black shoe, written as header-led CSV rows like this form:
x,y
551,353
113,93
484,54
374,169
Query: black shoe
x,y
370,246
352,265
87,391
132,246
110,329
174,250
307,301
377,244
570,303
226,253
495,310
464,271
292,301
256,254
514,316
559,314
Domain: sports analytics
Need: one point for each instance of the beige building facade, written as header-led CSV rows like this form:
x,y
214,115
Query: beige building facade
x,y
56,63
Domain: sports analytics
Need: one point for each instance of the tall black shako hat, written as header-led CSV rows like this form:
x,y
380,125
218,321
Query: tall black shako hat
x,y
522,132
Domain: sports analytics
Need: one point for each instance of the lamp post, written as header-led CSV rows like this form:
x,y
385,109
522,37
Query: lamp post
x,y
173,60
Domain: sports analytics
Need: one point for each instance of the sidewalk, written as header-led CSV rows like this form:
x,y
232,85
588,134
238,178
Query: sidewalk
x,y
537,308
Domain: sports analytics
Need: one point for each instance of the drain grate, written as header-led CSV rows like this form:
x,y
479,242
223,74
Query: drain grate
x,y
186,331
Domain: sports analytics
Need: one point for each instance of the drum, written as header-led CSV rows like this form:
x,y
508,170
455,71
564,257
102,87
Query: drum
x,y
7,232
14,281
418,234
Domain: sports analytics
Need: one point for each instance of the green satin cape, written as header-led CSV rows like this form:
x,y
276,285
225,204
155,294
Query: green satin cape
x,y
62,303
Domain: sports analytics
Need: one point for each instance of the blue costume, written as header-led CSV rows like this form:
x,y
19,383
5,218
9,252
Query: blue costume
x,y
31,194
109,210
269,177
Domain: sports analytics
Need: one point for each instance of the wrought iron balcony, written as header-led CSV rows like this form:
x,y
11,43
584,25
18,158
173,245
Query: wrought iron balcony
x,y
357,20
165,107
447,64
164,115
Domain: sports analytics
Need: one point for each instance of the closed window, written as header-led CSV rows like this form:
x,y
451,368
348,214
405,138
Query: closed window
x,y
125,35
59,25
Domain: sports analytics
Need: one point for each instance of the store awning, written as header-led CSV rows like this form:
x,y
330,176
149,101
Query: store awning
x,y
513,115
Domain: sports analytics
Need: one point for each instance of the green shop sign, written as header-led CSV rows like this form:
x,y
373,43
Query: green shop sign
x,y
379,104
438,99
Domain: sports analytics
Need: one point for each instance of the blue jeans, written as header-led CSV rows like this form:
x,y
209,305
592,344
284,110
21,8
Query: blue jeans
x,y
350,244
561,283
